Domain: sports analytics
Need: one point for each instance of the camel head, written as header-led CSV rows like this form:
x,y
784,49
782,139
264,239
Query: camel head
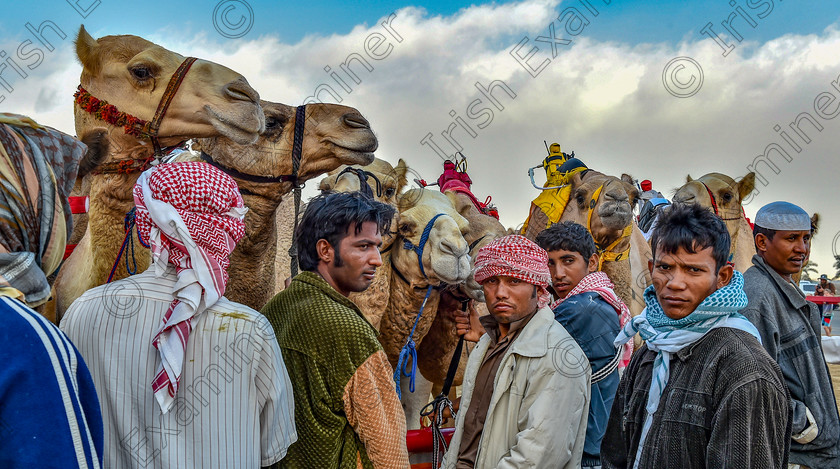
x,y
333,135
391,179
446,253
727,193
132,74
391,182
610,200
483,230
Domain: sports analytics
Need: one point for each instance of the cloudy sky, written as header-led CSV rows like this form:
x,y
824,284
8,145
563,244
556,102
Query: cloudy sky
x,y
655,89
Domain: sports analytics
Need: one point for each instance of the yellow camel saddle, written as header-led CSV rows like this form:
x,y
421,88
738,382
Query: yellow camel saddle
x,y
559,171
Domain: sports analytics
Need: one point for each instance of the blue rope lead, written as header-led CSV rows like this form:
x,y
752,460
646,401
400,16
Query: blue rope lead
x,y
409,350
419,248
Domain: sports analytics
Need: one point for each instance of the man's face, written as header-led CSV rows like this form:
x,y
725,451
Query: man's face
x,y
509,299
568,268
683,280
823,281
354,264
787,252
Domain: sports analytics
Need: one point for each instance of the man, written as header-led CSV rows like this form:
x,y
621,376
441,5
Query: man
x,y
790,331
825,288
186,377
589,310
49,411
526,388
701,392
346,405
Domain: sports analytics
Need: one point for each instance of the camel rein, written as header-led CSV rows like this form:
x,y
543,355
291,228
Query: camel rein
x,y
297,154
128,240
363,175
434,410
608,253
409,350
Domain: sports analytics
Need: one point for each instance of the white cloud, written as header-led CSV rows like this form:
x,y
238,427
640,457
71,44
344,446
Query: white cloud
x,y
604,100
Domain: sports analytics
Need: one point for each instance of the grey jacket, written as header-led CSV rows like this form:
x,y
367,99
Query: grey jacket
x,y
790,332
725,406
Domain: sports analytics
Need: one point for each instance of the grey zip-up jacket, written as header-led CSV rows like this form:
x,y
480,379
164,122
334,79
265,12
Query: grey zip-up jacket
x,y
790,332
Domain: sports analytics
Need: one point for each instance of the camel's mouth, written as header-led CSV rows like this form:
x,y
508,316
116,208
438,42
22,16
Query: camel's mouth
x,y
616,215
452,269
242,129
359,151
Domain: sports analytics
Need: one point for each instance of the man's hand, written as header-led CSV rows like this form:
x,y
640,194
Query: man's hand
x,y
468,325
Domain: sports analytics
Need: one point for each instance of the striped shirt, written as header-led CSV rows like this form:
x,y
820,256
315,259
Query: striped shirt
x,y
49,414
234,405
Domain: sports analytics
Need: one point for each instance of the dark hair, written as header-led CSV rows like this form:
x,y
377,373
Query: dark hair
x,y
765,231
330,215
568,236
693,228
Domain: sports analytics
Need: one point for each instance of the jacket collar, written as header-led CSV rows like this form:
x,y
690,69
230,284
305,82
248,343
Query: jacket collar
x,y
314,280
793,295
532,340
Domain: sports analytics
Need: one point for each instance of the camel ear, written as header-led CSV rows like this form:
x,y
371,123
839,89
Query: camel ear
x,y
746,185
688,178
401,170
85,50
628,179
815,223
327,183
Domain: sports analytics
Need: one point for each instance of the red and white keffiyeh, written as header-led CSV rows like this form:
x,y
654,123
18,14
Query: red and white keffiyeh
x,y
599,283
191,214
515,256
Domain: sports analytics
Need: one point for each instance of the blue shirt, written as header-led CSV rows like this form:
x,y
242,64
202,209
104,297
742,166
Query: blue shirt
x,y
49,412
593,323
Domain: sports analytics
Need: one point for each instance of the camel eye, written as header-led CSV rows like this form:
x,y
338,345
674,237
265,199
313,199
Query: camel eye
x,y
389,192
727,197
141,72
579,198
406,229
274,122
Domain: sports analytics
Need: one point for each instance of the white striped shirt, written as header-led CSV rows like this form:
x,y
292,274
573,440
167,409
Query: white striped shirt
x,y
234,406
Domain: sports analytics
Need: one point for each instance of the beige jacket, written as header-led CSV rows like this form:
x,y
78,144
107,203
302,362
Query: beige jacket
x,y
537,415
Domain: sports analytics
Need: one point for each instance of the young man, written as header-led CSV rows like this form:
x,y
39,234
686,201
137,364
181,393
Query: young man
x,y
790,331
526,388
589,310
186,377
825,288
346,405
702,392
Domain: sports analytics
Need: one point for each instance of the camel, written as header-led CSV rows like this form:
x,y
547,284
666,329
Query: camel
x,y
131,74
724,195
445,260
333,135
608,215
392,180
436,350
